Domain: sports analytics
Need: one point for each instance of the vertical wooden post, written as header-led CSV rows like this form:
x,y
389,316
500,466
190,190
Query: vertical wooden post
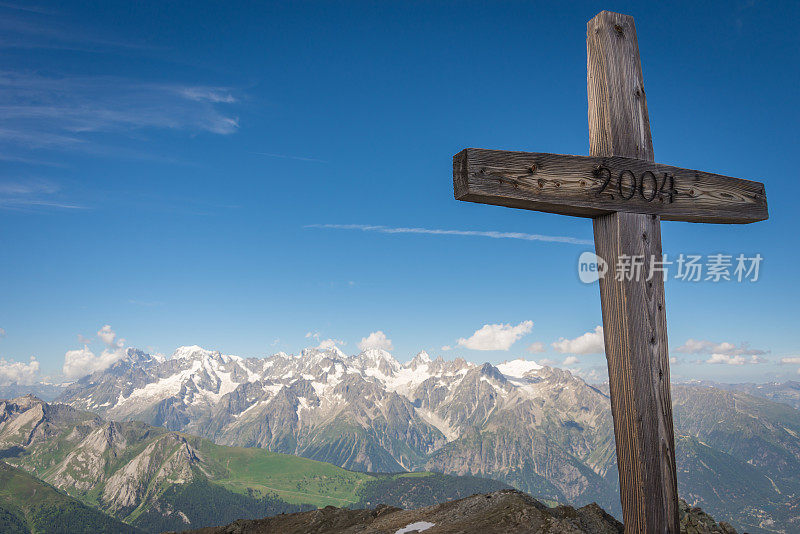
x,y
634,315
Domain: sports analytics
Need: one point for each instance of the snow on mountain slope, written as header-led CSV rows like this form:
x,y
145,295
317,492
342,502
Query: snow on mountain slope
x,y
540,429
196,377
367,411
196,382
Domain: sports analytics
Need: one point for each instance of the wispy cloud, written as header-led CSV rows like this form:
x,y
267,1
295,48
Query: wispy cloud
x,y
467,233
22,194
27,187
29,161
146,303
208,94
287,156
55,105
23,26
68,113
20,204
536,347
29,9
704,346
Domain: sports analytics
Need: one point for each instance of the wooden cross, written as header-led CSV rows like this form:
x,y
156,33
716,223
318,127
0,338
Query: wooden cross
x,y
626,194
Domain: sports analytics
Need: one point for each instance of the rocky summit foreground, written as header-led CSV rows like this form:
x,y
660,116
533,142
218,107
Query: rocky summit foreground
x,y
500,512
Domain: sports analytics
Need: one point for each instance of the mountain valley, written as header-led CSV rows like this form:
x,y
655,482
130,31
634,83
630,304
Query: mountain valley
x,y
539,429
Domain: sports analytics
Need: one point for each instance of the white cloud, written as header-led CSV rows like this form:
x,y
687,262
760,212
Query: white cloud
x,y
310,335
376,340
547,361
694,346
496,336
328,344
791,360
81,362
536,347
2,332
108,337
593,375
726,359
571,360
446,347
18,372
468,233
588,343
704,346
673,360
735,359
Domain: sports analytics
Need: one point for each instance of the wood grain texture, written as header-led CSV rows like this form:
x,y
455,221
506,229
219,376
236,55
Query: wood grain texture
x,y
573,185
634,314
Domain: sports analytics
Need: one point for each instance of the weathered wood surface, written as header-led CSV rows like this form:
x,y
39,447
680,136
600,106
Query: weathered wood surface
x,y
634,314
587,186
621,188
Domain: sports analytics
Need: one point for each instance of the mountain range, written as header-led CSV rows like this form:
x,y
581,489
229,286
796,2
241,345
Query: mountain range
x,y
540,429
784,392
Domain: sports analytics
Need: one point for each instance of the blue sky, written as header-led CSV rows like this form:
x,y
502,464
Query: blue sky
x,y
191,173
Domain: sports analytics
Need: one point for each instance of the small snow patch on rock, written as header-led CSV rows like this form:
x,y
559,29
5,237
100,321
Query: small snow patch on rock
x,y
419,526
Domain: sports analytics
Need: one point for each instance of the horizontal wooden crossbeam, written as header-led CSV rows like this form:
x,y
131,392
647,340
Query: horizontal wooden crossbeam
x,y
586,186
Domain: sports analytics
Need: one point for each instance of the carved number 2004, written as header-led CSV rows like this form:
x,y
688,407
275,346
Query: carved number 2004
x,y
638,184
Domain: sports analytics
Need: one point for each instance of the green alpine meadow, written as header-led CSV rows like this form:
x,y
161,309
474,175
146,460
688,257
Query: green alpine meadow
x,y
130,476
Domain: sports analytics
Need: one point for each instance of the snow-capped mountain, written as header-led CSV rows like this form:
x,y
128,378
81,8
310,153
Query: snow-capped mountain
x,y
540,429
368,411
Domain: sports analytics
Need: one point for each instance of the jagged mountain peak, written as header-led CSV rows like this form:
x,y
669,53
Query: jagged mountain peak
x,y
141,357
422,358
490,371
373,361
317,355
376,354
26,401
